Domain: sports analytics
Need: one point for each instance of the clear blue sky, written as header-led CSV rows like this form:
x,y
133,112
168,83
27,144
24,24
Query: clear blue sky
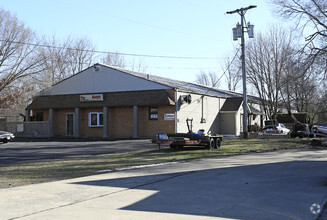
x,y
183,28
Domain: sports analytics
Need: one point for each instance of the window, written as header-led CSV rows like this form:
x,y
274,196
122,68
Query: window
x,y
39,116
153,113
96,119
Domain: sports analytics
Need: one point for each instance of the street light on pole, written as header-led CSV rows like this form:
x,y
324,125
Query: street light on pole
x,y
238,32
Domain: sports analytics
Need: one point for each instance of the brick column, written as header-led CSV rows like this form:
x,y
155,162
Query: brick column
x,y
27,115
105,121
51,122
135,121
77,122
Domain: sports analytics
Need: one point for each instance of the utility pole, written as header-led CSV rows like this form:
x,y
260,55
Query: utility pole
x,y
239,32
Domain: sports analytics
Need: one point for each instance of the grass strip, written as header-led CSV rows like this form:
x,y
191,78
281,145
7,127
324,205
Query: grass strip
x,y
32,172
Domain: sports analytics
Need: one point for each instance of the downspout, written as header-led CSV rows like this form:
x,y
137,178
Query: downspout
x,y
219,115
202,108
176,110
203,120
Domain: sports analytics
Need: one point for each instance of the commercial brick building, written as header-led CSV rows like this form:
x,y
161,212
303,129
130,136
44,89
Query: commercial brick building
x,y
110,102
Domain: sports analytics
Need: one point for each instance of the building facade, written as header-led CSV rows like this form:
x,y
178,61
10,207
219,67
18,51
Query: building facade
x,y
109,102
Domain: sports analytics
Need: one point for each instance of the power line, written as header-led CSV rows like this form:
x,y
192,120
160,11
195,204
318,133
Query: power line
x,y
214,85
131,66
224,73
151,25
185,68
113,53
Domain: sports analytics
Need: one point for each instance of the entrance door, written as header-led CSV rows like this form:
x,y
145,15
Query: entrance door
x,y
70,131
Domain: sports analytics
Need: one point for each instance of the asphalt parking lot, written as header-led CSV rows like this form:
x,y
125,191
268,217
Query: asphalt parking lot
x,y
67,148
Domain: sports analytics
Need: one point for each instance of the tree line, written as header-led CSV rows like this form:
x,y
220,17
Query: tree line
x,y
283,72
30,63
287,68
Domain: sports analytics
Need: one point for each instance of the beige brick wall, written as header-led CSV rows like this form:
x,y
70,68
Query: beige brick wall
x,y
120,122
60,121
85,130
149,128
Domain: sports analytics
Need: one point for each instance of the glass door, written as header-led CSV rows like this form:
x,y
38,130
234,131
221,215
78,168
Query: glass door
x,y
70,131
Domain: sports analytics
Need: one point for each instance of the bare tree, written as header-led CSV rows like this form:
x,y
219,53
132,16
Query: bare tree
x,y
18,58
266,60
232,71
208,79
311,18
322,114
64,59
299,88
114,59
81,53
139,66
283,76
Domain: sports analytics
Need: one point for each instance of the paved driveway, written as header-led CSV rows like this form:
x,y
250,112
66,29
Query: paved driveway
x,y
40,150
275,185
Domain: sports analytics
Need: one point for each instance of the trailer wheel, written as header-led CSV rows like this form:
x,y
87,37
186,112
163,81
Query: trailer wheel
x,y
212,144
172,146
311,135
294,135
218,143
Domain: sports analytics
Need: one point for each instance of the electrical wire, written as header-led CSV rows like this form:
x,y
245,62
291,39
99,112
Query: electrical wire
x,y
151,25
131,66
212,87
184,68
224,73
113,53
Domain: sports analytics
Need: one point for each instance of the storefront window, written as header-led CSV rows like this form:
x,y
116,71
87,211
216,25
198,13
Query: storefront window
x,y
101,119
39,116
95,119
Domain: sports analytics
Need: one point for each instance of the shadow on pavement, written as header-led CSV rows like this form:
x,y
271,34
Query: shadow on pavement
x,y
44,150
283,190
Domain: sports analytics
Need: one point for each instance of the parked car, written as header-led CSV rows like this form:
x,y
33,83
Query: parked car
x,y
275,128
6,136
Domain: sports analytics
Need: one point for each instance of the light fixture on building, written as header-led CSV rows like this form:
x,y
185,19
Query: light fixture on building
x,y
186,99
96,68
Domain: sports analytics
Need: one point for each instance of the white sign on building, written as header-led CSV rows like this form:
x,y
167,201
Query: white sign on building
x,y
169,116
91,98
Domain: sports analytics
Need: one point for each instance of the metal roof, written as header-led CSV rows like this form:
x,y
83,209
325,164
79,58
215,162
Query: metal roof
x,y
186,86
180,85
183,86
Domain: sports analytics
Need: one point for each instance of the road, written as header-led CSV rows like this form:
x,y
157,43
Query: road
x,y
288,184
44,150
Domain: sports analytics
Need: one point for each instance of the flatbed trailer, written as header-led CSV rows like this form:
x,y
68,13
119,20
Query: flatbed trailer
x,y
302,134
179,140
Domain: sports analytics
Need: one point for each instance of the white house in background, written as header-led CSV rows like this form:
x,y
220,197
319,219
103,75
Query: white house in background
x,y
110,102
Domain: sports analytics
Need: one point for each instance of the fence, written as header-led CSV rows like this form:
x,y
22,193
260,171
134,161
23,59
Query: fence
x,y
29,129
3,123
15,123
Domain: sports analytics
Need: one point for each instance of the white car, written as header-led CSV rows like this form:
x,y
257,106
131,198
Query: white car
x,y
6,136
278,128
